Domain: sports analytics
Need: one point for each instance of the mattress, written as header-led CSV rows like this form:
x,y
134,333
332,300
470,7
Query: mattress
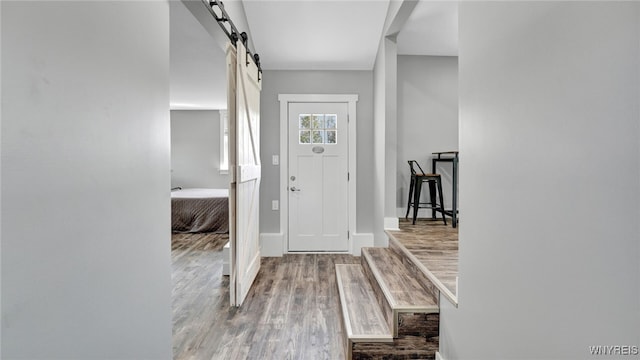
x,y
200,210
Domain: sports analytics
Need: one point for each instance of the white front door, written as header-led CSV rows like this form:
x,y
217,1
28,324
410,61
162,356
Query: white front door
x,y
318,177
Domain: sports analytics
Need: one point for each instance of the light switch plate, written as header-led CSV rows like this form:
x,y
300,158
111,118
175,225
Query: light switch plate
x,y
275,205
275,160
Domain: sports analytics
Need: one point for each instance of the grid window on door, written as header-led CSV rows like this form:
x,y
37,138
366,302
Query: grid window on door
x,y
318,129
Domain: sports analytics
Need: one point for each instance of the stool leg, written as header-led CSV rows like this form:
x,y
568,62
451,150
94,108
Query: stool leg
x,y
432,196
411,185
441,200
416,198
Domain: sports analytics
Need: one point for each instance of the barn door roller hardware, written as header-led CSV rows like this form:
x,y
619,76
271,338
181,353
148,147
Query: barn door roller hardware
x,y
216,8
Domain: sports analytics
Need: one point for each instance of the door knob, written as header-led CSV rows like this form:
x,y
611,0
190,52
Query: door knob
x,y
293,188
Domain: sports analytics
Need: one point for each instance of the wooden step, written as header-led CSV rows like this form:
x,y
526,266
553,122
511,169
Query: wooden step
x,y
423,274
363,321
407,306
417,269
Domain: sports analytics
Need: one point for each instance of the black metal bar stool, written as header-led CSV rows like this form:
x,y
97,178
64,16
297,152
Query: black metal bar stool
x,y
415,188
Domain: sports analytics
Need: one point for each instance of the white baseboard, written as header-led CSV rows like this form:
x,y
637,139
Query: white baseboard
x,y
271,244
360,240
226,253
391,223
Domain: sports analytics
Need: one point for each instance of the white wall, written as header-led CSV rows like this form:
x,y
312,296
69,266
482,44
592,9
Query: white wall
x,y
195,150
385,137
0,182
550,176
384,140
85,180
390,132
427,119
315,82
379,73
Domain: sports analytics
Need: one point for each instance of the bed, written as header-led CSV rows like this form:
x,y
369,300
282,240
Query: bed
x,y
200,210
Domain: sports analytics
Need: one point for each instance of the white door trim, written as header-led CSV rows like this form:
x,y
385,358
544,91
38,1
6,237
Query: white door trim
x,y
285,99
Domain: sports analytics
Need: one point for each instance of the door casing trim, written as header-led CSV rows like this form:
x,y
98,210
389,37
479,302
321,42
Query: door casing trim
x,y
285,100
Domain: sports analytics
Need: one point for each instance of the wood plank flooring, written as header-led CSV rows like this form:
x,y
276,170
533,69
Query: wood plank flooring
x,y
433,244
292,311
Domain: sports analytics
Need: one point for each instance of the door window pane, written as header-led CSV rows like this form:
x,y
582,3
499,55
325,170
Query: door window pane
x,y
331,137
331,121
305,121
318,121
318,137
305,137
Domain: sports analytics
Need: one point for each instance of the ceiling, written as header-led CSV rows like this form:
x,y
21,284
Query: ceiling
x,y
198,64
300,35
318,35
432,29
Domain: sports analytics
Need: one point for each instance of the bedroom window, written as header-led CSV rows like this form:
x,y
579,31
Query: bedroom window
x,y
224,142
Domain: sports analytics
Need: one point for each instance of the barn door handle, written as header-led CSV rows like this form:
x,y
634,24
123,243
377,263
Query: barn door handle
x,y
293,188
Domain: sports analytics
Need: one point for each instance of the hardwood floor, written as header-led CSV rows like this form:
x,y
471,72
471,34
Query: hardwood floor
x,y
291,312
433,244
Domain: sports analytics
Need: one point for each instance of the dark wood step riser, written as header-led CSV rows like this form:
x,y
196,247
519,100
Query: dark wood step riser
x,y
429,287
404,347
419,324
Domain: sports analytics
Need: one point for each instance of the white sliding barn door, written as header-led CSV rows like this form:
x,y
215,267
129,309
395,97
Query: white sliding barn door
x,y
243,100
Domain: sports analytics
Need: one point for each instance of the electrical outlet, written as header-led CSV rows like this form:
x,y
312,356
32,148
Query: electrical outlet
x,y
275,205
